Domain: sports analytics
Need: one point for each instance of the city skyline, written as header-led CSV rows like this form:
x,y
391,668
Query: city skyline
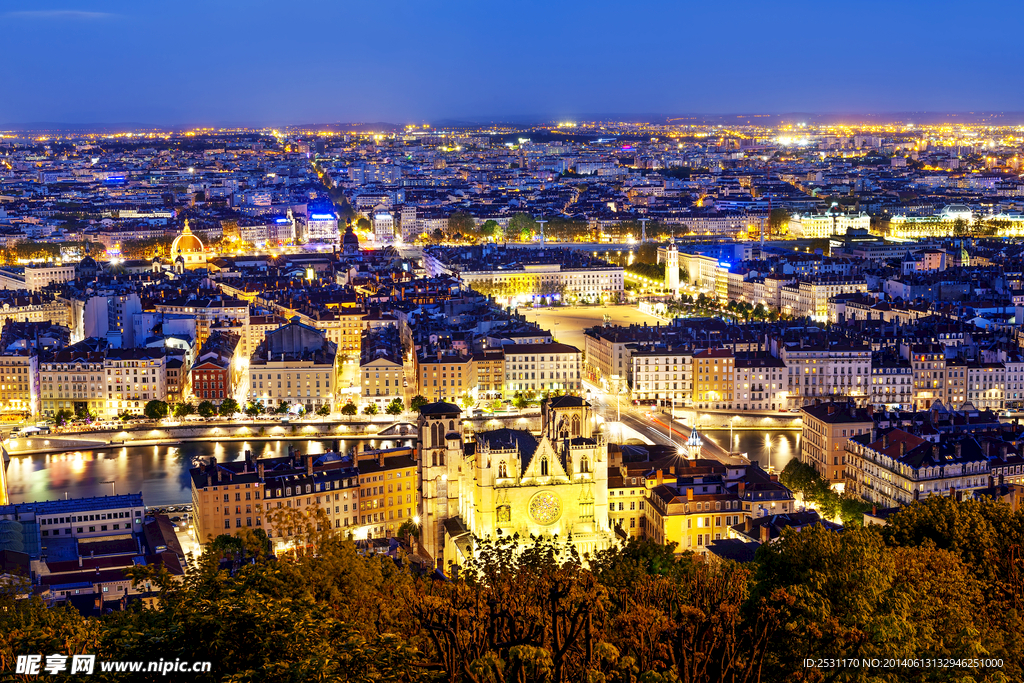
x,y
114,62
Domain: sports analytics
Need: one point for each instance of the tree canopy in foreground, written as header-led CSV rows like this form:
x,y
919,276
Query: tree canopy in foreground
x,y
943,580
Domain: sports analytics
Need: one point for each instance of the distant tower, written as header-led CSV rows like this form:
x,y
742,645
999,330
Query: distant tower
x,y
694,445
643,230
672,269
541,223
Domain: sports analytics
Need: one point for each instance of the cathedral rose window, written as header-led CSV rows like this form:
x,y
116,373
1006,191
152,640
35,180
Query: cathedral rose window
x,y
545,508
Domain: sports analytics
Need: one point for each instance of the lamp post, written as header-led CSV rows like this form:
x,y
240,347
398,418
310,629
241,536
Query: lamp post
x,y
732,421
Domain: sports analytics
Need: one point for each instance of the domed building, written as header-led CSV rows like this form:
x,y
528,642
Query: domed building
x,y
187,251
87,268
350,243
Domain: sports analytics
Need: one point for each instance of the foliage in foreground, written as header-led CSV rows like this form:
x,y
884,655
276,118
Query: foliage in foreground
x,y
942,580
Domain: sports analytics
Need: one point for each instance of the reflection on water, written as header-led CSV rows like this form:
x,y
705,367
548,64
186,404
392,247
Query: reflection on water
x,y
775,448
159,472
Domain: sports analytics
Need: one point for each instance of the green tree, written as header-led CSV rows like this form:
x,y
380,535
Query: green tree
x,y
155,410
62,417
228,407
370,409
254,408
461,223
363,223
491,229
409,529
283,408
522,227
349,409
396,407
206,409
183,409
777,220
324,410
417,402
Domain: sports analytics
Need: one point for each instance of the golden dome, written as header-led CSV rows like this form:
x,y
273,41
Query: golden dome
x,y
186,243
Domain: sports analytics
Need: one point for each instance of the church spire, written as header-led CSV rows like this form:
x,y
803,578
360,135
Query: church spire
x,y
694,444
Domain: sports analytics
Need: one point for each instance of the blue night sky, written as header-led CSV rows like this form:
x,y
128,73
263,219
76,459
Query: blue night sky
x,y
258,62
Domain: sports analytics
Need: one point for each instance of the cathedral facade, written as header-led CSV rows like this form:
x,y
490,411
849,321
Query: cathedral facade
x,y
512,481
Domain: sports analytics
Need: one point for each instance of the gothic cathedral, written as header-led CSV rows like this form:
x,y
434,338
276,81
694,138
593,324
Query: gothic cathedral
x,y
550,484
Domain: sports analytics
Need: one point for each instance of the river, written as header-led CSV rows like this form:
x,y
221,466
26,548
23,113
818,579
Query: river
x,y
161,472
785,445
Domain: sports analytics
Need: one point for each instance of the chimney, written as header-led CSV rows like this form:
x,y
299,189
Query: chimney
x,y
742,487
747,525
874,510
689,493
259,469
831,408
309,465
958,451
661,477
1003,449
935,451
766,533
903,448
885,441
220,475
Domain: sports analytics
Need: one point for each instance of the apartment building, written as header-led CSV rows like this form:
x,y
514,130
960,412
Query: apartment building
x,y
216,372
928,362
696,505
826,429
813,295
443,376
74,380
826,370
663,375
134,377
230,496
892,383
986,385
382,367
387,490
487,373
542,368
714,379
898,468
760,382
296,365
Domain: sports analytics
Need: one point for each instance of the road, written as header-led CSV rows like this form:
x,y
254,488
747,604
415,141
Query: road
x,y
656,427
567,323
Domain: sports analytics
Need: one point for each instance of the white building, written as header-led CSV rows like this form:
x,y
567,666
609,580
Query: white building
x,y
383,226
322,227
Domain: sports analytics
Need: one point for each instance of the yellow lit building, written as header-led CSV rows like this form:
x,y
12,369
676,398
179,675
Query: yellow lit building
x,y
387,490
443,377
487,374
692,502
714,379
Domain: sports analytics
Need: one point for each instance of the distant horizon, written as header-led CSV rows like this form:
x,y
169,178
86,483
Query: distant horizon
x,y
866,118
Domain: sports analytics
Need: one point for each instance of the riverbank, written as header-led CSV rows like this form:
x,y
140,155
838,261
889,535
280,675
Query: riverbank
x,y
400,427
